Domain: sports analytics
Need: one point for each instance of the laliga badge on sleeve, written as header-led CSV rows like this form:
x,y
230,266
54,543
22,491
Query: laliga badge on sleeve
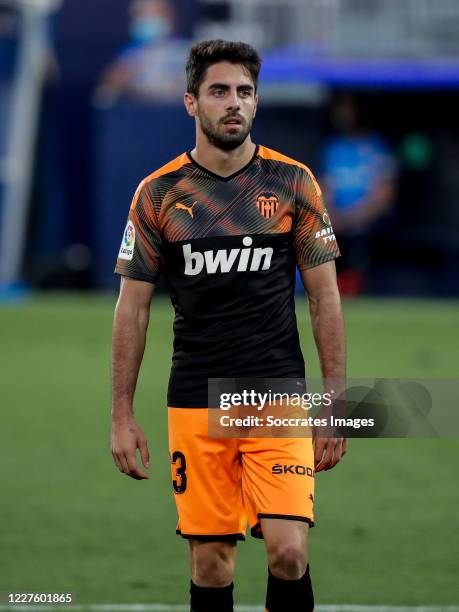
x,y
128,242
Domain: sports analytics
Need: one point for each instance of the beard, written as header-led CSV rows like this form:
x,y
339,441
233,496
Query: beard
x,y
225,141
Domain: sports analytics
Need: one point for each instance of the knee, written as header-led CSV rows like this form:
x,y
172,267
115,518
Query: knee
x,y
212,565
288,561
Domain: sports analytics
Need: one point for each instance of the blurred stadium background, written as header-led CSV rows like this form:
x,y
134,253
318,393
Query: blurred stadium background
x,y
72,152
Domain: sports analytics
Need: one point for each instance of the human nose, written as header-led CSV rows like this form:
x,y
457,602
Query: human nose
x,y
233,101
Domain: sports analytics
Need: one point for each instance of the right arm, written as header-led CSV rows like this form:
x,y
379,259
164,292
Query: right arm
x,y
128,345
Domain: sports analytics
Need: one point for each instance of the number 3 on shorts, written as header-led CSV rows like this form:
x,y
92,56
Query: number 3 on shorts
x,y
179,485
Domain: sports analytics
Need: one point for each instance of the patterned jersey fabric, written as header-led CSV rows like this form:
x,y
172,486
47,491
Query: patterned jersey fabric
x,y
228,247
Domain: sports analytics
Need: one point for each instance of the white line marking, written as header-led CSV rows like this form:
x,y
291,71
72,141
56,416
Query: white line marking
x,y
155,607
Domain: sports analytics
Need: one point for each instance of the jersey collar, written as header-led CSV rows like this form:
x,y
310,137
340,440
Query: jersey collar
x,y
217,176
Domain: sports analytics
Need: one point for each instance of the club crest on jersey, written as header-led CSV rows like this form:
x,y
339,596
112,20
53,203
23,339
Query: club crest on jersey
x,y
267,204
128,242
224,260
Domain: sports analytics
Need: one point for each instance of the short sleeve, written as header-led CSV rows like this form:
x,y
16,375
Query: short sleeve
x,y
140,255
313,236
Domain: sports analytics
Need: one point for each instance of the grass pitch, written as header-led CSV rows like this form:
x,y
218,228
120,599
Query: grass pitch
x,y
387,517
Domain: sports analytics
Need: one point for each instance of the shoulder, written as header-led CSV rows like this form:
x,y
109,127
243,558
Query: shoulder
x,y
304,173
163,178
266,153
170,168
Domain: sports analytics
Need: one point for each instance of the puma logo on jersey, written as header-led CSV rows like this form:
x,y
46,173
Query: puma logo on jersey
x,y
225,260
189,209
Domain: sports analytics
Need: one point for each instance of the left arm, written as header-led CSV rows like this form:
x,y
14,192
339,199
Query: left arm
x,y
328,329
316,248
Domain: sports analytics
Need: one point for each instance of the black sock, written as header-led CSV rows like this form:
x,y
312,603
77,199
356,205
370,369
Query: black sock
x,y
291,595
211,599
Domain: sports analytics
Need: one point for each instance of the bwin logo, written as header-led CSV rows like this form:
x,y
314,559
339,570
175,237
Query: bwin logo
x,y
224,260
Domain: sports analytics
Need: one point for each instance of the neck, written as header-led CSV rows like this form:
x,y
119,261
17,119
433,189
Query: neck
x,y
223,163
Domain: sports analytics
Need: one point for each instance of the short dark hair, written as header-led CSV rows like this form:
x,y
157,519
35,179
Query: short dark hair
x,y
209,52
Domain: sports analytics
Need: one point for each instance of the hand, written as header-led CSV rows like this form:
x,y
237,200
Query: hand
x,y
329,444
327,452
126,438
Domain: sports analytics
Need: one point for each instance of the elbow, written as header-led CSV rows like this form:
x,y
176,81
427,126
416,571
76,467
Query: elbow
x,y
313,306
326,295
327,301
128,314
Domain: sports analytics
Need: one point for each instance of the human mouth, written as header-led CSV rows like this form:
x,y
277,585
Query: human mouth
x,y
232,121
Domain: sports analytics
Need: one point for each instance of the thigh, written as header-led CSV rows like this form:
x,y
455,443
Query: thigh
x,y
277,480
206,478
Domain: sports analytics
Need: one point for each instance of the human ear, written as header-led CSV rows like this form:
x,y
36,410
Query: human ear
x,y
190,104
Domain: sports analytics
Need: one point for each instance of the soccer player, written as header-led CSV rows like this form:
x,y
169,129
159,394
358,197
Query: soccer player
x,y
226,224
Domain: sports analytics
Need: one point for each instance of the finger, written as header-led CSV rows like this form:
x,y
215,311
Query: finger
x,y
144,453
115,459
328,454
123,463
340,451
337,453
319,451
134,470
319,464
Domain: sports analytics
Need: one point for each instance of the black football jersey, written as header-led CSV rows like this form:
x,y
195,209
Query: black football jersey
x,y
228,247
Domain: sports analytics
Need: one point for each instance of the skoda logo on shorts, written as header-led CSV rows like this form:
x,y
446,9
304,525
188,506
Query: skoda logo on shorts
x,y
301,470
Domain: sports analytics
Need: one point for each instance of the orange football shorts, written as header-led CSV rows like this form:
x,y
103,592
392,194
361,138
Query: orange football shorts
x,y
220,484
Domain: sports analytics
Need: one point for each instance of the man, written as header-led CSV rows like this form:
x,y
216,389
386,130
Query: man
x,y
234,317
359,181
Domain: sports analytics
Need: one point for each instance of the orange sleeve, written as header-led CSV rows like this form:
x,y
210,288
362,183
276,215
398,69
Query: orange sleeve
x,y
314,239
140,255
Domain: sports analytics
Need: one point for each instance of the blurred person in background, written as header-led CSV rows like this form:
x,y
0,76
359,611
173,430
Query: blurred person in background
x,y
151,65
359,180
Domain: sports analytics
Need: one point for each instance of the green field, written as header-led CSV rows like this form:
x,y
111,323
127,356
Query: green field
x,y
387,517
